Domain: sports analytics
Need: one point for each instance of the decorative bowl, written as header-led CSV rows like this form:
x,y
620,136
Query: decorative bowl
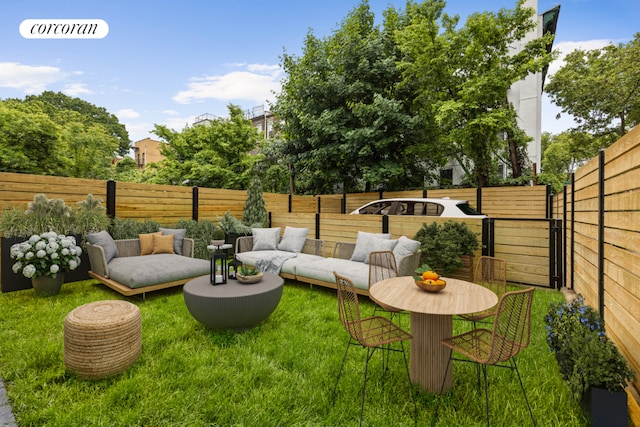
x,y
430,287
247,280
217,242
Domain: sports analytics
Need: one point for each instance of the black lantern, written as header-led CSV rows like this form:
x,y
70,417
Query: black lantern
x,y
236,263
218,275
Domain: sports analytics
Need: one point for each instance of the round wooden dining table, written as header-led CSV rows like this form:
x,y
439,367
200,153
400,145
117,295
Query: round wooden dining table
x,y
431,316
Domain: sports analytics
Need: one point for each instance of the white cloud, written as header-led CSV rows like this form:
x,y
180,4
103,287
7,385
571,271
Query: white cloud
x,y
171,112
32,79
127,113
257,83
565,48
76,89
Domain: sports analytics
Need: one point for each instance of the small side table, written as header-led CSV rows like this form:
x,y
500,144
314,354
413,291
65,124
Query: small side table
x,y
219,255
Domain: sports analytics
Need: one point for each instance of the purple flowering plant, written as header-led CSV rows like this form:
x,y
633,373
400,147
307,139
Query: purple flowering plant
x,y
46,254
586,356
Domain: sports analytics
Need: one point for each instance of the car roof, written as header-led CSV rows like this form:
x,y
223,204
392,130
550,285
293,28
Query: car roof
x,y
419,199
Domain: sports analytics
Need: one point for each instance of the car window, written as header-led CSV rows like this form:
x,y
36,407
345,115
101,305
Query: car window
x,y
411,207
381,208
466,208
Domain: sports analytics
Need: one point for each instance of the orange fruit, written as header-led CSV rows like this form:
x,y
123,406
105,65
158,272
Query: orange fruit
x,y
428,282
430,275
440,282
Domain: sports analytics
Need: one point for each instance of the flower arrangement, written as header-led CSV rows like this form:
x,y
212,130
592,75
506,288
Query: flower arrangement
x,y
586,356
46,254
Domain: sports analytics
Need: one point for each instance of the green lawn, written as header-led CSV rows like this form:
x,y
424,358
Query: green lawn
x,y
280,373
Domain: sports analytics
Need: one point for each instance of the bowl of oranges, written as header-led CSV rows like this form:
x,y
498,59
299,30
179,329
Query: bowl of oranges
x,y
428,280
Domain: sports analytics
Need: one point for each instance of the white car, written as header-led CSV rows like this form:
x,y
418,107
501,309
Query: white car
x,y
445,208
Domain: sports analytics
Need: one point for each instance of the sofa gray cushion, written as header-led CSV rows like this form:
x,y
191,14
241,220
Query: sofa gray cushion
x,y
104,239
405,247
323,270
363,244
379,245
288,267
178,236
147,270
293,239
265,239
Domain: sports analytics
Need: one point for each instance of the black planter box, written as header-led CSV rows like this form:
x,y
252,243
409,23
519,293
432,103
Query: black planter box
x,y
10,281
606,408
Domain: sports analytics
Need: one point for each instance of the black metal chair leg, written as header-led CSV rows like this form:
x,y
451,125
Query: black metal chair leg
x,y
444,379
515,368
335,387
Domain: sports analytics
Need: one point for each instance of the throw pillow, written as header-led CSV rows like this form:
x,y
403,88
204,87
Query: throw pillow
x,y
163,244
405,247
378,245
104,239
146,242
179,234
265,239
293,239
363,244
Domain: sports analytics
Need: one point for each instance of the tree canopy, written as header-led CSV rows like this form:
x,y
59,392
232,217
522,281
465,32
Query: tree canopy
x,y
600,88
37,138
215,155
389,104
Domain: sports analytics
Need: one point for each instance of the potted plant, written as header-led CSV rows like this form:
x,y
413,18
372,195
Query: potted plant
x,y
45,258
589,361
448,247
232,228
249,274
42,215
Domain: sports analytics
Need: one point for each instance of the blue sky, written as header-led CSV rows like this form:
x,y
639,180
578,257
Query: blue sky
x,y
168,62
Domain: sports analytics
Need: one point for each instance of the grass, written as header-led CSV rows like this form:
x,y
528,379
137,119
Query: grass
x,y
279,373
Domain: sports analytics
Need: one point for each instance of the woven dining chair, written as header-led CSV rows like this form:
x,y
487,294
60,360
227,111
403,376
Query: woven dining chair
x,y
491,273
373,333
382,265
508,337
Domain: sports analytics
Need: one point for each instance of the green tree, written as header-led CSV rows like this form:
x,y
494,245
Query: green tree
x,y
216,155
255,210
29,141
599,88
343,120
57,103
461,77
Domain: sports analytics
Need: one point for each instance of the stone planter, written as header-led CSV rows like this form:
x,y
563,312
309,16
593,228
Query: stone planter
x,y
47,286
606,408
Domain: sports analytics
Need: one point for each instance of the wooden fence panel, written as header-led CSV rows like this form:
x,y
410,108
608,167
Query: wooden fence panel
x,y
165,204
305,204
515,202
19,189
524,245
215,202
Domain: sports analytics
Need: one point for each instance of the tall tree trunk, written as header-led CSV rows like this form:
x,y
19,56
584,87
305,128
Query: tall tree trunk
x,y
515,155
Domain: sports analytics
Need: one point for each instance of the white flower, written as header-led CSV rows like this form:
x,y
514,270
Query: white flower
x,y
54,268
73,264
78,250
54,255
29,270
16,267
15,249
34,238
41,245
28,255
64,251
20,255
65,243
41,254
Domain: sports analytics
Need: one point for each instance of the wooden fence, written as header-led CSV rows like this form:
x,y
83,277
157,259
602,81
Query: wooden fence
x,y
601,212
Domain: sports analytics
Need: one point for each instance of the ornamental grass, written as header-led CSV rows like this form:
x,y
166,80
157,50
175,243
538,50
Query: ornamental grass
x,y
280,373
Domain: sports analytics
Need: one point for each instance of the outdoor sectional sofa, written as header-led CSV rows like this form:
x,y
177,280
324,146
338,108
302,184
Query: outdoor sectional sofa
x,y
153,261
305,260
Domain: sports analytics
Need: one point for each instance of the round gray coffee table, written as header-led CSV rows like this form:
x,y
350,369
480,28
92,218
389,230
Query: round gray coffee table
x,y
232,305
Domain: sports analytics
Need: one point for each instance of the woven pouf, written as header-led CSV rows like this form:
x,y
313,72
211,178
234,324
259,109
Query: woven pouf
x,y
102,338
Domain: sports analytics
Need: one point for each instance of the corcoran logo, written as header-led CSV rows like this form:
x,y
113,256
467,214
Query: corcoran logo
x,y
64,29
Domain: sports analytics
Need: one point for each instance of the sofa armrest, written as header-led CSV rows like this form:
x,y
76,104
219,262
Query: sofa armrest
x,y
188,247
314,247
408,264
244,244
344,250
97,260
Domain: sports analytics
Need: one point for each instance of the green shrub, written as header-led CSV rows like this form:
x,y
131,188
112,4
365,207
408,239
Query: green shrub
x,y
201,232
128,228
443,245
